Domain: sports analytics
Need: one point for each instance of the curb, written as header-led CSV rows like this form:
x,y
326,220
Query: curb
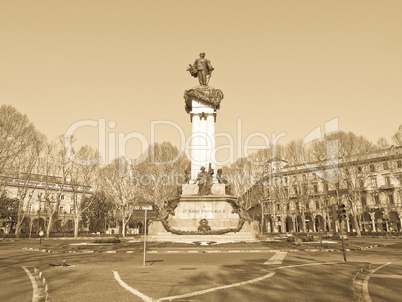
x,y
42,288
37,250
206,251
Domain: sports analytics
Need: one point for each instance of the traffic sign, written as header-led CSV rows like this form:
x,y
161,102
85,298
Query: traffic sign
x,y
143,207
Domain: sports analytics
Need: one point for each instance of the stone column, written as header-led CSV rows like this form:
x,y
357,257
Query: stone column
x,y
211,140
203,142
294,224
203,137
347,221
314,227
372,215
195,146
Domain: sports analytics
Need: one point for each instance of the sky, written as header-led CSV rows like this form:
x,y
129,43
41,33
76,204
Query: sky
x,y
285,67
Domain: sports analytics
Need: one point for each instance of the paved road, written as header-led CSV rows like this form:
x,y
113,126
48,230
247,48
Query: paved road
x,y
300,276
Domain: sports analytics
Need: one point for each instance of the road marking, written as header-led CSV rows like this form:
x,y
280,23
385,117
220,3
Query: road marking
x,y
387,276
130,289
201,292
366,295
35,289
277,258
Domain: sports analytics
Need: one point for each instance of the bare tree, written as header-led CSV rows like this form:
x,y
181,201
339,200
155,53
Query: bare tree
x,y
397,137
160,176
82,177
116,180
27,164
352,172
17,134
56,168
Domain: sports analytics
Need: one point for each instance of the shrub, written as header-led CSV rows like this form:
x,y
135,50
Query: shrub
x,y
109,240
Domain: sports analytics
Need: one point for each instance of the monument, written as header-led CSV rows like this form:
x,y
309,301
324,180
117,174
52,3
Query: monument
x,y
205,210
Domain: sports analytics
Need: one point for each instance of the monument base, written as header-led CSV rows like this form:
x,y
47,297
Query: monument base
x,y
158,233
213,217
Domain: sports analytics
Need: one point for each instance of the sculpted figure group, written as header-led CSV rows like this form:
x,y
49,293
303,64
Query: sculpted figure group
x,y
205,181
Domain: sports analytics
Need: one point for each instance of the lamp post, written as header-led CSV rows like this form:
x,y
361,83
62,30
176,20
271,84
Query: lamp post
x,y
37,231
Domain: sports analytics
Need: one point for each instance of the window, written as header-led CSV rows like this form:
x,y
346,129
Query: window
x,y
387,181
391,199
399,163
287,207
372,168
361,183
295,189
304,177
359,169
317,205
61,209
71,210
279,218
376,199
326,187
374,182
364,201
315,189
307,205
385,166
61,197
305,189
297,206
285,181
278,207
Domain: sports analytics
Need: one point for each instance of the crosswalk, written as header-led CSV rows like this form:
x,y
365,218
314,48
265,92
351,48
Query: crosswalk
x,y
276,259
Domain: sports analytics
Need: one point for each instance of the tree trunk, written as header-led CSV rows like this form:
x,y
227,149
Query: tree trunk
x,y
76,226
262,219
17,229
30,226
123,228
356,226
49,226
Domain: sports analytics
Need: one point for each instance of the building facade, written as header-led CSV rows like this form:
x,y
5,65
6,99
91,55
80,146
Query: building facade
x,y
305,198
39,197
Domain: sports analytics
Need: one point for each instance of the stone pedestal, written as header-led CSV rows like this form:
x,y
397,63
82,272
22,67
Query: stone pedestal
x,y
216,209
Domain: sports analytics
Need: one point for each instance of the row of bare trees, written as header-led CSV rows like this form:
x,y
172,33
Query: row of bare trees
x,y
340,159
44,172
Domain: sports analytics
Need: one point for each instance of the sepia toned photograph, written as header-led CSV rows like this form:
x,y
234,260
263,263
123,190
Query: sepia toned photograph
x,y
200,151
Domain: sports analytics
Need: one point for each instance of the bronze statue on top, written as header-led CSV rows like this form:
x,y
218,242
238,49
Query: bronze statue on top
x,y
202,69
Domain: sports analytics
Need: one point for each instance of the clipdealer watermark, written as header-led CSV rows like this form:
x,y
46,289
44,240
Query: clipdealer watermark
x,y
112,145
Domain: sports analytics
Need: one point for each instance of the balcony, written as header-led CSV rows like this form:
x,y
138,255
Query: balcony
x,y
387,188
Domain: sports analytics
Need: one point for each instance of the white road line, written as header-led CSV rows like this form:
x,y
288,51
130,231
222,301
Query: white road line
x,y
366,295
130,289
277,258
201,292
387,276
35,289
